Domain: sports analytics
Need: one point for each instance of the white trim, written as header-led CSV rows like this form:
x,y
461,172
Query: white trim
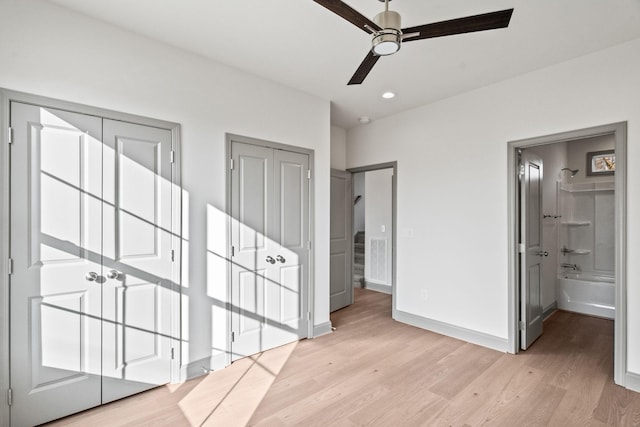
x,y
385,289
619,130
548,311
322,329
633,382
453,331
203,366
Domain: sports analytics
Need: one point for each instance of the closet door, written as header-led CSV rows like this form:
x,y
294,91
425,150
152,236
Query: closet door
x,y
270,236
91,289
136,345
56,246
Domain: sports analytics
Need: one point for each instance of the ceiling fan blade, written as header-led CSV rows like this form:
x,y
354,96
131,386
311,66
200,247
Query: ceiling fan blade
x,y
469,24
350,14
364,68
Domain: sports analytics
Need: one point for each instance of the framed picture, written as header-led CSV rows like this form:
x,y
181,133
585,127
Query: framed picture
x,y
601,163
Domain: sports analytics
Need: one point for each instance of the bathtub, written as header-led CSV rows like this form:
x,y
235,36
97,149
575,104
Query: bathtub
x,y
586,293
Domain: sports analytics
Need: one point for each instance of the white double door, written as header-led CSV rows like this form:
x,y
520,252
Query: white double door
x,y
270,238
91,241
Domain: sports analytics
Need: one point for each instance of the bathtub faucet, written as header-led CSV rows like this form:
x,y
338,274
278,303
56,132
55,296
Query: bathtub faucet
x,y
570,266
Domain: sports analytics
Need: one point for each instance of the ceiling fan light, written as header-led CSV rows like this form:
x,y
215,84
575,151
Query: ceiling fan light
x,y
386,42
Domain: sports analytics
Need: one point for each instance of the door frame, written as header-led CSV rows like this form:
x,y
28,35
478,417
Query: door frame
x,y
230,139
6,97
394,222
619,131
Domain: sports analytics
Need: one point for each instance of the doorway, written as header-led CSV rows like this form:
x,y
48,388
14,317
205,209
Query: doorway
x,y
372,262
584,241
269,209
94,283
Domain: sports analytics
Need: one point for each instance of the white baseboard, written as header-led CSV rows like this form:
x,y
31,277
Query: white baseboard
x,y
549,310
385,289
632,382
321,329
202,366
474,337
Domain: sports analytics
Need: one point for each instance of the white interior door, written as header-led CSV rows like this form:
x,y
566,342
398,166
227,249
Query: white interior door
x,y
270,235
137,245
531,251
341,277
91,246
56,223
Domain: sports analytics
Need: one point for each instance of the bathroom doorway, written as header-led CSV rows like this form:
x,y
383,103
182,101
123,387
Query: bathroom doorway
x,y
574,200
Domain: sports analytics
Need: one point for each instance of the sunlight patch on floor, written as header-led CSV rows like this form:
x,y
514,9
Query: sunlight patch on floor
x,y
230,396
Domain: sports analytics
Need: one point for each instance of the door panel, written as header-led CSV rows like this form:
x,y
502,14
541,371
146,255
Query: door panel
x,y
137,247
270,228
531,257
341,278
55,326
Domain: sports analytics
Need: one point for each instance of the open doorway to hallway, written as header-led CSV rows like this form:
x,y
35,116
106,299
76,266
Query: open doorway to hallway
x,y
363,232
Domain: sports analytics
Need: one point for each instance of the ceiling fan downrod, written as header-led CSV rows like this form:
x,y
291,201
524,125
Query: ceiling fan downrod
x,y
388,40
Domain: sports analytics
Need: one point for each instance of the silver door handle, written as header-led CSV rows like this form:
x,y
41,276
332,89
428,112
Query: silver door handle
x,y
281,259
543,253
270,260
113,274
91,276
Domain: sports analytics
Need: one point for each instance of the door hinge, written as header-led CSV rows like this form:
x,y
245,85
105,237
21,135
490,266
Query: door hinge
x,y
10,397
173,255
308,173
233,251
9,266
521,248
521,325
521,170
230,164
173,353
9,135
309,245
233,336
172,156
309,315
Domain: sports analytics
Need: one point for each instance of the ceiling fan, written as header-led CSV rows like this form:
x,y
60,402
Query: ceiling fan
x,y
387,34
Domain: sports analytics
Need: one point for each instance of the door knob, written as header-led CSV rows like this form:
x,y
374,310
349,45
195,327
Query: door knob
x,y
91,276
281,259
270,260
113,274
543,253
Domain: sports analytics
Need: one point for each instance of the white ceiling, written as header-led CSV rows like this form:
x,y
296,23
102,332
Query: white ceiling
x,y
302,45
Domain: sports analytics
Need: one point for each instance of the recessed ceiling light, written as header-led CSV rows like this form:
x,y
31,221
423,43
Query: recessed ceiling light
x,y
388,95
364,120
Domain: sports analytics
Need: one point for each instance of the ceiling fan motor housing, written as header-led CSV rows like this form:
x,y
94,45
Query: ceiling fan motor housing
x,y
387,41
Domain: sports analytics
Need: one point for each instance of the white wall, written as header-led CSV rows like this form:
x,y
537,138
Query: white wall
x,y
338,148
554,158
378,226
49,51
452,183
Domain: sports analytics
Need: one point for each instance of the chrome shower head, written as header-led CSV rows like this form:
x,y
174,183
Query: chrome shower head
x,y
573,171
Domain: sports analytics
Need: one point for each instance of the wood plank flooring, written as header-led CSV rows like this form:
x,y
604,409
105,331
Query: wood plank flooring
x,y
375,371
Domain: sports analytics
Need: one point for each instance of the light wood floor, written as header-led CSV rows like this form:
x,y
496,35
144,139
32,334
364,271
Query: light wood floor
x,y
374,371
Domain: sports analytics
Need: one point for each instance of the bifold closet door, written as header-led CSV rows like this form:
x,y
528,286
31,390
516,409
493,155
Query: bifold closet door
x,y
91,240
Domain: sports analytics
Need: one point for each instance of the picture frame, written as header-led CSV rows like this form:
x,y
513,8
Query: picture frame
x,y
600,163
